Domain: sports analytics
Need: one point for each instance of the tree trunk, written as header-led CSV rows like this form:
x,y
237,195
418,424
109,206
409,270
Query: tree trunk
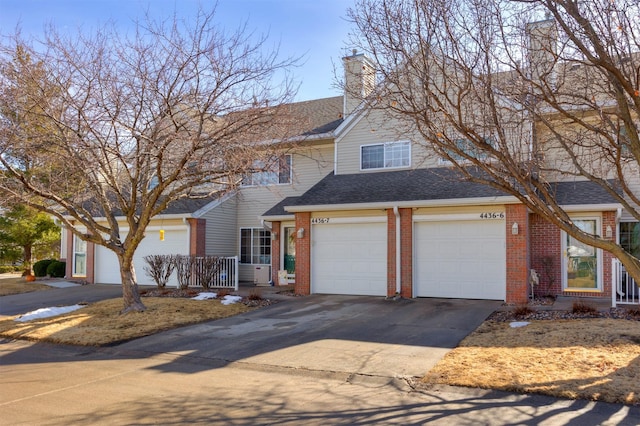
x,y
26,260
130,293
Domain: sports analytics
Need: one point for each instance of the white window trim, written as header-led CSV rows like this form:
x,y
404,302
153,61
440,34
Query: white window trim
x,y
254,185
384,160
252,247
599,264
74,271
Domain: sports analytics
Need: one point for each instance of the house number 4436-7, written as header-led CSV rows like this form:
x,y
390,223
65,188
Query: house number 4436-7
x,y
317,220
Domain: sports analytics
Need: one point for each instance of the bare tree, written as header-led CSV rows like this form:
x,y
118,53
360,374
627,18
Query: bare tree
x,y
517,95
100,127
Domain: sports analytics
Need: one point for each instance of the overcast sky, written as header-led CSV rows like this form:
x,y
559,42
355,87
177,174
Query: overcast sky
x,y
314,29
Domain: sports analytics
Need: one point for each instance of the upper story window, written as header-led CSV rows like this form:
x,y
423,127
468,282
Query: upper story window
x,y
466,147
278,173
624,142
385,155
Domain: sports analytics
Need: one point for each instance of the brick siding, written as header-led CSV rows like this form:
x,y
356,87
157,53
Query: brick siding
x,y
547,257
303,254
517,253
275,251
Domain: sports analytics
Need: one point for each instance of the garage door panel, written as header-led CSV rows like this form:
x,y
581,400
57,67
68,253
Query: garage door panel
x,y
349,259
107,269
460,259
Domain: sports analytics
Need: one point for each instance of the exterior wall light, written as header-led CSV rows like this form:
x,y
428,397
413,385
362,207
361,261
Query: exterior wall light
x,y
300,233
274,235
514,228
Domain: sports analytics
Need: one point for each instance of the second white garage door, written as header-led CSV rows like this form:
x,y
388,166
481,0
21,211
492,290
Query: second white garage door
x,y
460,259
349,258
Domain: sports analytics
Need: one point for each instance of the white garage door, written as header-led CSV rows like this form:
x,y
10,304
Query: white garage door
x,y
349,258
460,259
107,269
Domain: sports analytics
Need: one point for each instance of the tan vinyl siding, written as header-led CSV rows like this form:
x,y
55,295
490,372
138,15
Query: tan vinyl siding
x,y
221,238
309,165
375,128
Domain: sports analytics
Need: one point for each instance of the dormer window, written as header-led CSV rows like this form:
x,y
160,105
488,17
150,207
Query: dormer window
x,y
386,155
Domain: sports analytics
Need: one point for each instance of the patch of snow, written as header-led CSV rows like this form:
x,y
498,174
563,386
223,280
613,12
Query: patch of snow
x,y
228,300
516,324
205,296
47,312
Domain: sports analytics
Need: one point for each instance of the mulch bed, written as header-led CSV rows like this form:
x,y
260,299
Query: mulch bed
x,y
188,293
613,313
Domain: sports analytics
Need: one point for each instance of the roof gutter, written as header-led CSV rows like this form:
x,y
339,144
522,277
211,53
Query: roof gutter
x,y
592,207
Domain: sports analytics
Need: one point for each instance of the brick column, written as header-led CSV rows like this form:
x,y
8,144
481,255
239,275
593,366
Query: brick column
x,y
391,252
406,252
276,238
517,253
546,255
303,254
608,220
69,254
197,236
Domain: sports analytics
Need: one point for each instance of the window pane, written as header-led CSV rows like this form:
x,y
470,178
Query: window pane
x,y
397,154
79,256
255,246
372,156
630,237
245,246
284,175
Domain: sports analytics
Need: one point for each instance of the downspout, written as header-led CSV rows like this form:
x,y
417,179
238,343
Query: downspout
x,y
265,226
396,212
618,216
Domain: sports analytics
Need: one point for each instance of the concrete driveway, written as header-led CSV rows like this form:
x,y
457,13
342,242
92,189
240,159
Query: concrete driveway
x,y
349,334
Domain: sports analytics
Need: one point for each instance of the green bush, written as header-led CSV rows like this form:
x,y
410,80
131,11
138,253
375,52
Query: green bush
x,y
57,269
6,268
40,267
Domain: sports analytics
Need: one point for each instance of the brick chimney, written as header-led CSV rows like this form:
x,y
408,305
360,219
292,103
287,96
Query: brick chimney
x,y
359,80
543,49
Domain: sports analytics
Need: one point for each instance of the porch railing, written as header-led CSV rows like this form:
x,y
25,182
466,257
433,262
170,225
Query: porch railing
x,y
625,289
225,275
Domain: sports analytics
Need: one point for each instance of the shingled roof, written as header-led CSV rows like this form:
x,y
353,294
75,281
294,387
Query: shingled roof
x,y
426,185
318,116
581,192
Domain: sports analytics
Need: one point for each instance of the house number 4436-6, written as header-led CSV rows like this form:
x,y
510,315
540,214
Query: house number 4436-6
x,y
493,215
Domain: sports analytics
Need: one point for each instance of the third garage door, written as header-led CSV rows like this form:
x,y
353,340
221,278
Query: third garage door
x,y
349,258
464,259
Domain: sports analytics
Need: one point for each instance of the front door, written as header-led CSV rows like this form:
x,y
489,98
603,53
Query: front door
x,y
290,249
581,264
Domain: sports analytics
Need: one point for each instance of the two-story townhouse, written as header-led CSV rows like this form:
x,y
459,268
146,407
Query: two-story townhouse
x,y
394,219
230,225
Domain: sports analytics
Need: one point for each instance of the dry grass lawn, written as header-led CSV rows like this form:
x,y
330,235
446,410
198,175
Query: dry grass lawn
x,y
101,324
15,284
595,359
